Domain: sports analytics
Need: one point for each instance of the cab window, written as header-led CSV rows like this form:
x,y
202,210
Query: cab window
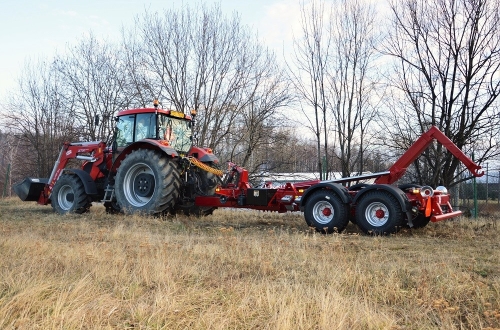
x,y
145,126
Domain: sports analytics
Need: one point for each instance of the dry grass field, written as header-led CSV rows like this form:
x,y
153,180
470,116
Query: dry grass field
x,y
241,270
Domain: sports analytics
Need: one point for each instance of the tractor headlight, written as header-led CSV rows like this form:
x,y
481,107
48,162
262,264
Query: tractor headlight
x,y
442,190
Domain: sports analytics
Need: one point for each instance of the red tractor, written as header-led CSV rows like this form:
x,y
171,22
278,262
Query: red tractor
x,y
152,167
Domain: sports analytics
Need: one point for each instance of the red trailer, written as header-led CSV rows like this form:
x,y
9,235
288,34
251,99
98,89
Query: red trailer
x,y
378,208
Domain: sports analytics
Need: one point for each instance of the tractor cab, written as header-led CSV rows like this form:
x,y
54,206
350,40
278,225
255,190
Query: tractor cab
x,y
171,127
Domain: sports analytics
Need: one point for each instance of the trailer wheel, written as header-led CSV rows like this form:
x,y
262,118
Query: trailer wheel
x,y
379,213
68,195
147,182
326,213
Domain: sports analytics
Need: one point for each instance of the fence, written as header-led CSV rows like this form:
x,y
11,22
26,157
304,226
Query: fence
x,y
480,197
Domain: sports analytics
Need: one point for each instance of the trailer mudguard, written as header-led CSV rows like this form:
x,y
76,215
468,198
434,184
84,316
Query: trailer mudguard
x,y
144,144
395,191
340,190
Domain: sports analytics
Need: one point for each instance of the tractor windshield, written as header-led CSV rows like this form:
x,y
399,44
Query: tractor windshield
x,y
176,131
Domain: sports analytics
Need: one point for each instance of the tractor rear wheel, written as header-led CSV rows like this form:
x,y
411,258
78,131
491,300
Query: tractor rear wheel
x,y
379,213
326,213
147,182
68,195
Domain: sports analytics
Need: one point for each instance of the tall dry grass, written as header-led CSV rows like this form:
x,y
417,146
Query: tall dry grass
x,y
240,270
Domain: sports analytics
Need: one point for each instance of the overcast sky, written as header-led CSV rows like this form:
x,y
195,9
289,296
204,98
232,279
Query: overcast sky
x,y
34,29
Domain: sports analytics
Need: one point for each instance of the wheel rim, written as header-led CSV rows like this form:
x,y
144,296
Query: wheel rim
x,y
66,197
323,212
139,185
377,214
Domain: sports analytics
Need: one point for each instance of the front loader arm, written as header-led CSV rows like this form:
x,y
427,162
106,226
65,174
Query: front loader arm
x,y
71,151
399,168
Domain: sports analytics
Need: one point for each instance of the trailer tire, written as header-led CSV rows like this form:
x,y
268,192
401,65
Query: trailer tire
x,y
379,213
68,195
326,213
147,182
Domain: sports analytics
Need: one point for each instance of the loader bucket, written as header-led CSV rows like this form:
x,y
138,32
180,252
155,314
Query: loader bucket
x,y
30,189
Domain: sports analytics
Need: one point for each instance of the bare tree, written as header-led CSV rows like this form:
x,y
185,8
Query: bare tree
x,y
39,118
94,78
352,77
447,57
138,87
196,58
309,73
9,145
334,57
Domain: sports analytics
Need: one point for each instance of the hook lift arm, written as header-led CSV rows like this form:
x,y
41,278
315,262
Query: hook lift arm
x,y
417,148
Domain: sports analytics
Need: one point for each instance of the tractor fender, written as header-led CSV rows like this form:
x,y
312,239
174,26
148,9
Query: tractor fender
x,y
88,183
203,154
395,191
338,189
160,145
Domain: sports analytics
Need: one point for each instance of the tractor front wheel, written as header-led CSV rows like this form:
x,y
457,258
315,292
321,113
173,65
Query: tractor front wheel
x,y
379,213
68,195
326,213
147,182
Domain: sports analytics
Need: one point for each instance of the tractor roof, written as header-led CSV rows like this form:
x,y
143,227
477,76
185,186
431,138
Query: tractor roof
x,y
171,113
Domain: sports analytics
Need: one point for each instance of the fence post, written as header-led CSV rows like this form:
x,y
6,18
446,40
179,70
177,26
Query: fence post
x,y
474,194
487,182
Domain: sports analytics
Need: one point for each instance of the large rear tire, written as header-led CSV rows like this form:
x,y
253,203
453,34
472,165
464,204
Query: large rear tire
x,y
326,213
68,195
147,182
379,213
